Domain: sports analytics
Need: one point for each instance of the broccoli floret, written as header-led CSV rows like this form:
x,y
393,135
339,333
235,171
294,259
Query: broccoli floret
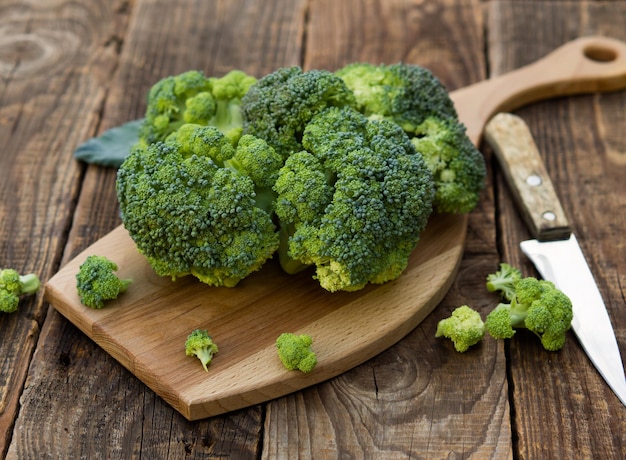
x,y
537,306
280,105
354,203
200,344
457,166
190,211
13,285
464,327
415,99
404,93
191,97
504,281
295,352
96,281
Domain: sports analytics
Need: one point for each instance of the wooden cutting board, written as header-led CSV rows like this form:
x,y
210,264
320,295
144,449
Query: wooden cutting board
x,y
146,328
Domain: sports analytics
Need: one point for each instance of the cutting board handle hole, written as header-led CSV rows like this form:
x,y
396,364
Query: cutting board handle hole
x,y
600,53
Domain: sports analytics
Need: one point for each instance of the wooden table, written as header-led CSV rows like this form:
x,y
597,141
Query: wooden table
x,y
71,69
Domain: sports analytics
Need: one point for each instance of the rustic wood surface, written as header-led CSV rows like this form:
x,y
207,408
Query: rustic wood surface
x,y
71,69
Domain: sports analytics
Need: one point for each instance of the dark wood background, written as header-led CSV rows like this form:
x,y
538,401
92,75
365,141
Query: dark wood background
x,y
70,69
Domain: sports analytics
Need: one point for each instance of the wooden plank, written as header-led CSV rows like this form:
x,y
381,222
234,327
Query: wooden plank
x,y
47,104
71,378
406,402
578,414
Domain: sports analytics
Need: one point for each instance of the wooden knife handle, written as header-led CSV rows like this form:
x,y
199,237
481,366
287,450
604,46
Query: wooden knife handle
x,y
517,153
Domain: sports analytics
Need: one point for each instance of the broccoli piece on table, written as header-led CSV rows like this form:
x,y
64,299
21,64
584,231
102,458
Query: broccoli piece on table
x,y
13,285
504,281
192,207
295,352
354,202
97,282
191,97
537,306
464,327
200,344
280,105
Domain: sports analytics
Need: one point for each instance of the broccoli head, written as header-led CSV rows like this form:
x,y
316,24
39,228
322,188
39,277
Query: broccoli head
x,y
412,97
457,166
96,281
190,210
190,97
280,105
354,202
406,94
537,306
13,285
464,327
295,352
200,344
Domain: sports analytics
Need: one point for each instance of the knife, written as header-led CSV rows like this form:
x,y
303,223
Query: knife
x,y
555,252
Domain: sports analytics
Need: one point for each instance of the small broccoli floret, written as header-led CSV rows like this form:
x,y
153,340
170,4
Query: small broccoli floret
x,y
457,166
190,97
280,105
191,211
537,306
295,352
97,282
504,281
13,285
200,344
354,202
464,327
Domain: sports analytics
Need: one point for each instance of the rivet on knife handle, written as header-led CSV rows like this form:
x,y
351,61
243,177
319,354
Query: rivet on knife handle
x,y
526,174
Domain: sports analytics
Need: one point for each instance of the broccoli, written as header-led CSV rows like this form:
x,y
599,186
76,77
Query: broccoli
x,y
537,306
415,99
295,352
464,327
354,202
457,166
280,105
192,207
96,281
406,94
200,344
190,97
504,280
13,285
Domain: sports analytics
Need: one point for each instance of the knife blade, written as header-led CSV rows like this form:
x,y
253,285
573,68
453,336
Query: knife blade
x,y
555,251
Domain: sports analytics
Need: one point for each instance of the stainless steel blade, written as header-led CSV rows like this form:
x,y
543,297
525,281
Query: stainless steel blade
x,y
555,251
563,263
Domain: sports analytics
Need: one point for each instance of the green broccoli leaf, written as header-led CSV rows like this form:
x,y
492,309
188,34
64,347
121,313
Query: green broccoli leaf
x,y
110,148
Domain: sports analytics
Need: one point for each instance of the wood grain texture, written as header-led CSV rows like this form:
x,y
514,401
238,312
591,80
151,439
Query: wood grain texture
x,y
47,104
584,164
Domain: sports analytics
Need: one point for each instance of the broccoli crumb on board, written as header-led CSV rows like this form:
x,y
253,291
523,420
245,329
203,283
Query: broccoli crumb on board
x,y
96,281
295,352
200,344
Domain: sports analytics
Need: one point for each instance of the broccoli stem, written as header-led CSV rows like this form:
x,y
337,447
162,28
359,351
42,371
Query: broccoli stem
x,y
30,283
287,263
